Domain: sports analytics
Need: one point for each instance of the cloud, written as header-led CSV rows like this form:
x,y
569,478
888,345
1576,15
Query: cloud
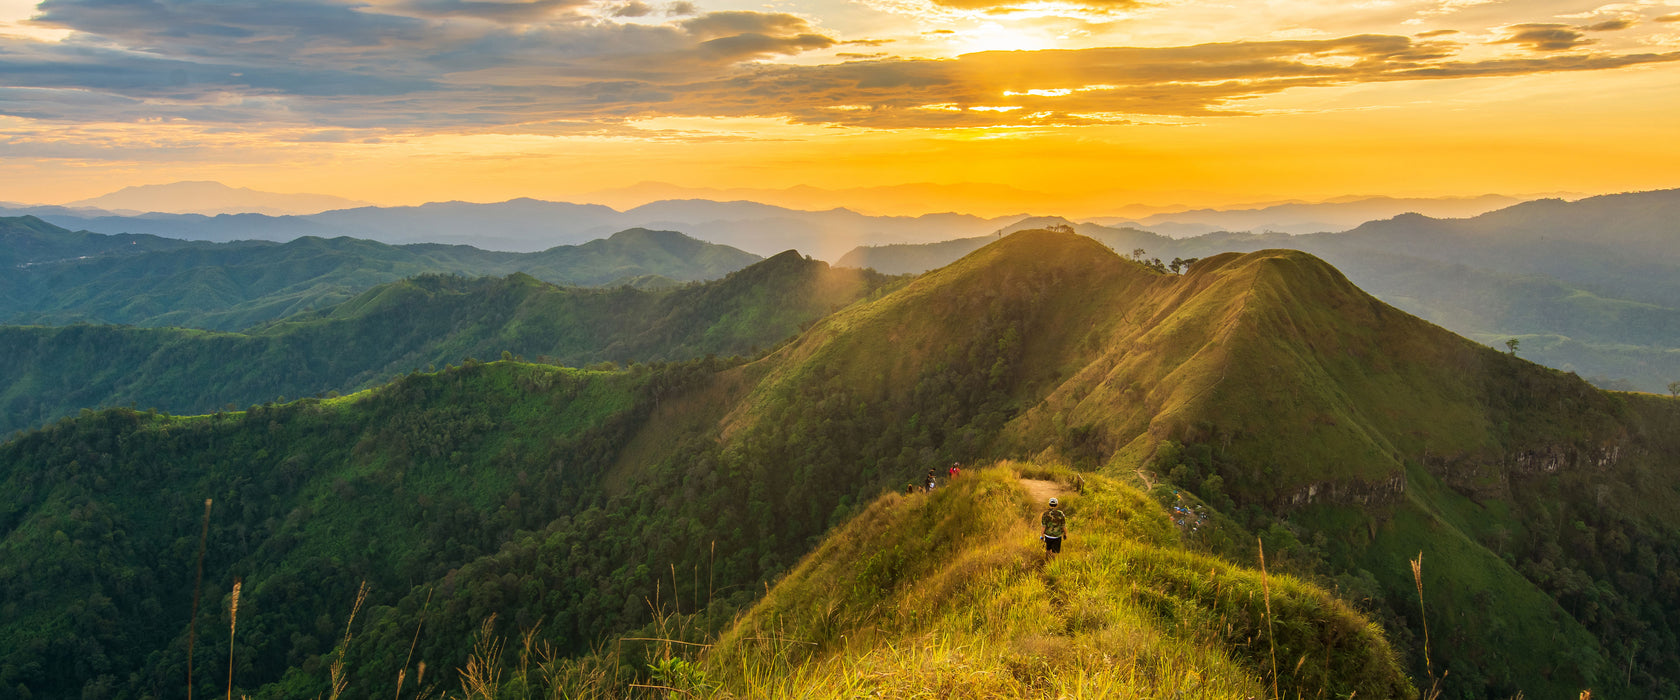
x,y
1010,5
401,67
1545,37
496,10
1614,25
680,8
1436,33
634,8
1669,18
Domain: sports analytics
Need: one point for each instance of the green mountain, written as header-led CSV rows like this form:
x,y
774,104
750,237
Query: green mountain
x,y
57,277
422,322
1585,286
1262,393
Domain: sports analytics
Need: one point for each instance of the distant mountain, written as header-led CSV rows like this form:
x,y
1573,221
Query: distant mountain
x,y
980,199
1591,286
527,225
211,198
399,327
1308,217
55,276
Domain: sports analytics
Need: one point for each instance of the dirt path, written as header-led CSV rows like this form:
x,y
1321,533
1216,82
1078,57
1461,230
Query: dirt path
x,y
1041,491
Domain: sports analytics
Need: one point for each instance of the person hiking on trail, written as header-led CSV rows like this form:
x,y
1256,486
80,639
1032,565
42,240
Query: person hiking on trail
x,y
956,470
930,480
1055,528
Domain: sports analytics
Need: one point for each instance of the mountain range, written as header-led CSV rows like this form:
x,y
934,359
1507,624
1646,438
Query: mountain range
x,y
49,275
528,225
1262,392
1587,286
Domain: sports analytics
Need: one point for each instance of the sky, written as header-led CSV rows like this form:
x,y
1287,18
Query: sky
x,y
1106,101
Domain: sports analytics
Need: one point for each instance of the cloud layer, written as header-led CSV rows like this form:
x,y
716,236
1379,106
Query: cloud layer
x,y
564,66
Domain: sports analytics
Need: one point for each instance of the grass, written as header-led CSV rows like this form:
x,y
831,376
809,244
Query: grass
x,y
948,594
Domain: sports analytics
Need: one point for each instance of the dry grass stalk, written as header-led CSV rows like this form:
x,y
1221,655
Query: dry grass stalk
x,y
1266,585
1417,575
233,626
339,681
198,581
403,671
482,676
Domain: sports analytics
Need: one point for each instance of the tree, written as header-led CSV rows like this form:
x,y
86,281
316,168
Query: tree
x,y
1138,253
1511,345
1674,389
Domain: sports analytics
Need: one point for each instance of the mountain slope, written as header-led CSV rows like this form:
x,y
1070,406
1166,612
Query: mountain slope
x,y
415,323
1267,384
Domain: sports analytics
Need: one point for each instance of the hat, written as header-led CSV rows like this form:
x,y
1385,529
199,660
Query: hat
x,y
1052,502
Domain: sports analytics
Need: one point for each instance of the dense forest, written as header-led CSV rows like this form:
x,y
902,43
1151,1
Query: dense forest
x,y
419,323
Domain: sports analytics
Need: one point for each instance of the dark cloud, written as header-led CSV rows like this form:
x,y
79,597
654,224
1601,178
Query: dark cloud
x,y
282,27
497,10
1545,37
1669,18
1614,25
681,9
634,8
362,73
1436,33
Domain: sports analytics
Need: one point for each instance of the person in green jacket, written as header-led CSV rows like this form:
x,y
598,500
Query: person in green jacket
x,y
1055,528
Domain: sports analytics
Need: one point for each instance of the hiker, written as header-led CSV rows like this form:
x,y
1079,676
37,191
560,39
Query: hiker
x,y
1055,528
956,470
930,480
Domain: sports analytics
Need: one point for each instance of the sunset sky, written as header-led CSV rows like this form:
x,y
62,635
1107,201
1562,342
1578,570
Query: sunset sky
x,y
1199,103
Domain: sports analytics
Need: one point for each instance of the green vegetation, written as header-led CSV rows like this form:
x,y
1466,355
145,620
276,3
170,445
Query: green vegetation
x,y
422,322
1264,393
52,276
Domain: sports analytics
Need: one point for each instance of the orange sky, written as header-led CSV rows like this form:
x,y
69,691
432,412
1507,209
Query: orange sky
x,y
1093,104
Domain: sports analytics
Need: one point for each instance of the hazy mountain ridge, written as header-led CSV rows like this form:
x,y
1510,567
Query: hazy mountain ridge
x,y
211,198
1345,434
528,225
155,281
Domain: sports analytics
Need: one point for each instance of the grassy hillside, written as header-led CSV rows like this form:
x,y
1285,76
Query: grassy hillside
x,y
416,323
1345,431
950,594
59,277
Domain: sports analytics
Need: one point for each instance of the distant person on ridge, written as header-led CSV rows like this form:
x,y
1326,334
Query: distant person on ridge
x,y
956,470
930,480
1055,529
